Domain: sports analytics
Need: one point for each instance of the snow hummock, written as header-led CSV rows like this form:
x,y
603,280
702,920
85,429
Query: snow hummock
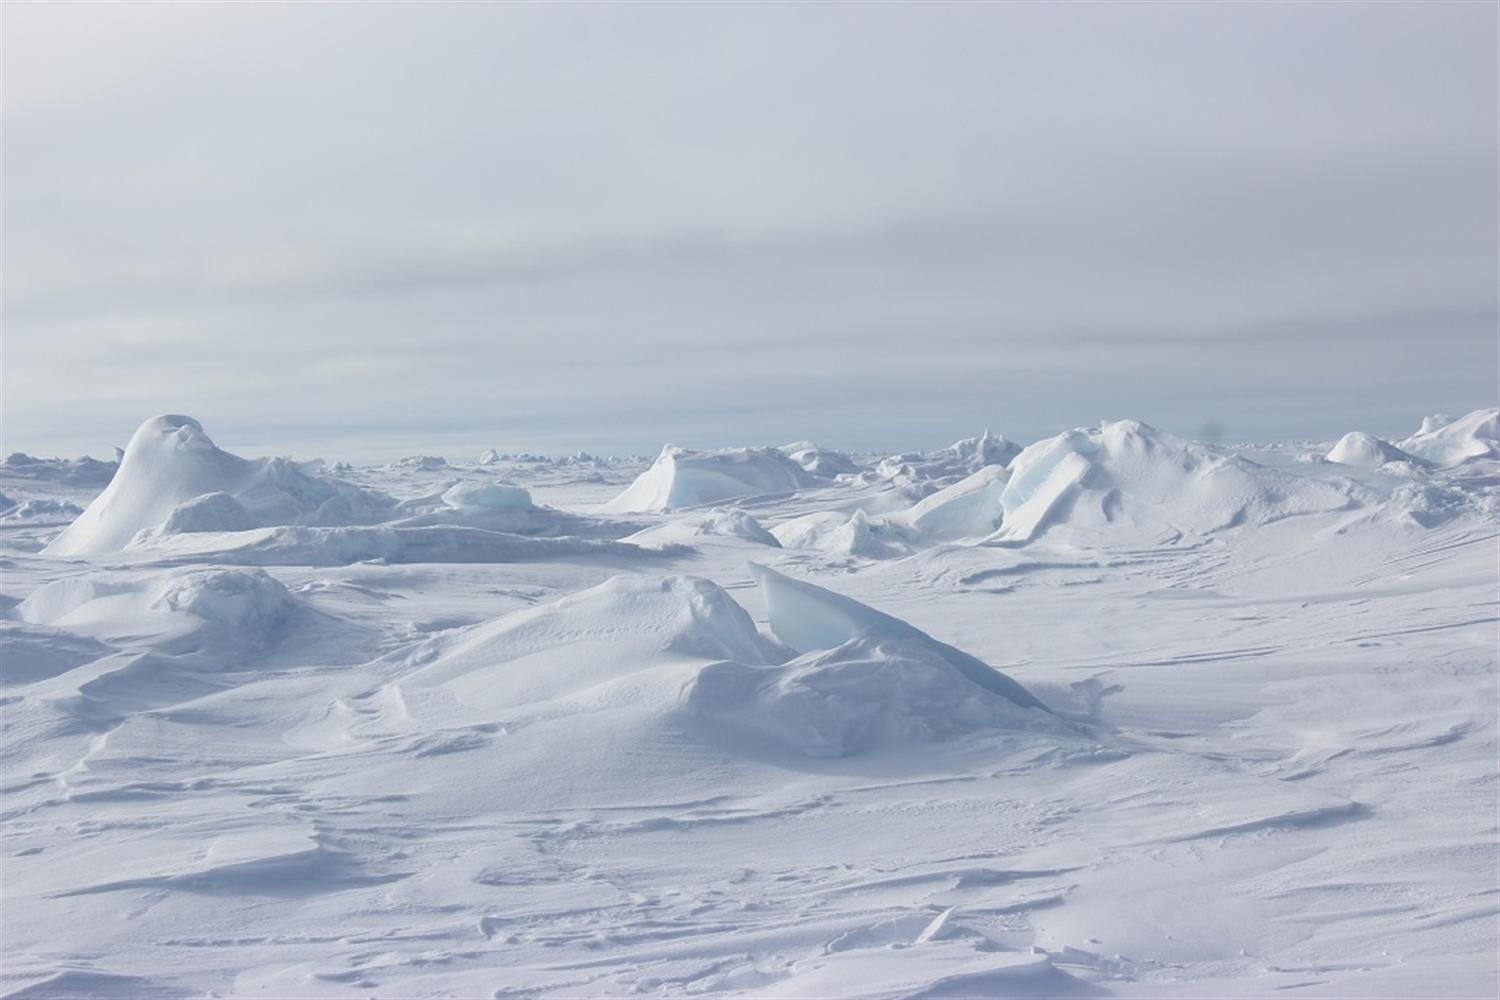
x,y
716,522
171,462
1367,451
864,680
857,534
809,618
969,508
209,512
486,496
1130,472
489,456
683,478
820,461
986,449
1449,442
242,603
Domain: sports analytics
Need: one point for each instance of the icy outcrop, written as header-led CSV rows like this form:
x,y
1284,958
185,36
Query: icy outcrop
x,y
970,508
1449,442
489,457
820,461
986,449
683,478
838,534
717,522
487,496
1368,452
170,461
420,463
1129,473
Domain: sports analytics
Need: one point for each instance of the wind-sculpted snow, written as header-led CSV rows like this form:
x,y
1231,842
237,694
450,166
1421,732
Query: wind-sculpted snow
x,y
1451,442
1128,473
809,618
242,605
713,524
1367,451
170,462
1136,717
683,478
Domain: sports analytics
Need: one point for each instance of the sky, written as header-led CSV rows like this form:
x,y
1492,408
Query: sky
x,y
362,231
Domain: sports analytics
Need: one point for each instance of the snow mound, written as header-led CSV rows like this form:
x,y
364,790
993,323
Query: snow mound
x,y
986,449
969,508
865,694
683,478
171,461
209,512
808,618
863,680
420,463
717,522
856,535
820,461
1368,452
248,604
40,507
489,456
1452,442
588,649
487,496
1129,472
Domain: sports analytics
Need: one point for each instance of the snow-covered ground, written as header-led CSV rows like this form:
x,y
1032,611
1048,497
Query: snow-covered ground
x,y
1113,714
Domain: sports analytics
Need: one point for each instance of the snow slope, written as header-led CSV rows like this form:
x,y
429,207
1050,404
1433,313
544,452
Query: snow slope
x,y
1367,451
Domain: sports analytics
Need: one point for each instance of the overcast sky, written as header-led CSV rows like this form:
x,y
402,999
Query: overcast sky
x,y
368,230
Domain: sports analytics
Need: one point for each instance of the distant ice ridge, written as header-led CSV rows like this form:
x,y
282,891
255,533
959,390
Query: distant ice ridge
x,y
716,522
171,463
683,478
1449,442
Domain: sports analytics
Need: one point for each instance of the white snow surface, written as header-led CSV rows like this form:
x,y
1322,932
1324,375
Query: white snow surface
x,y
1126,715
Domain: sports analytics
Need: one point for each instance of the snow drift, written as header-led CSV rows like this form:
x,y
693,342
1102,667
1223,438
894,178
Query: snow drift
x,y
683,478
716,522
171,463
235,604
1451,442
1369,452
1128,472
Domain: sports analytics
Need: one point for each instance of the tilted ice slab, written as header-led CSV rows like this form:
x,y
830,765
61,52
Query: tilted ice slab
x,y
683,478
171,462
1452,442
1128,472
1369,452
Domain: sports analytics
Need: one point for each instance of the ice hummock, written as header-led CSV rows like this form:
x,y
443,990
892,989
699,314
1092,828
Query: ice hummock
x,y
1449,442
1367,451
1128,472
809,618
170,462
684,478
